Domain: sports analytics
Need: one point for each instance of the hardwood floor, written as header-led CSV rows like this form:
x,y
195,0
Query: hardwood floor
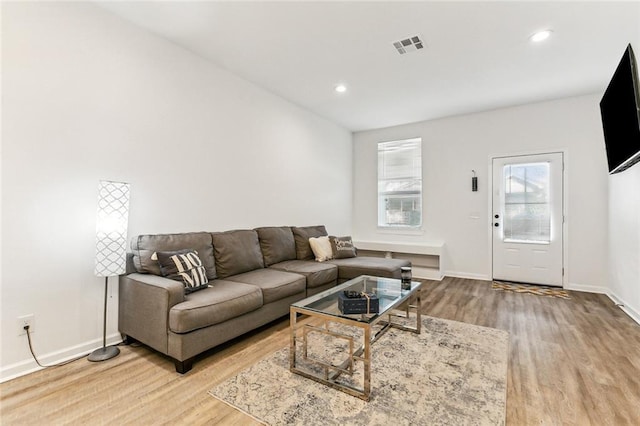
x,y
571,362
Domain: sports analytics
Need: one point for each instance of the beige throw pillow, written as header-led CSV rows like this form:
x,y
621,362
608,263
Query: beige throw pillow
x,y
321,247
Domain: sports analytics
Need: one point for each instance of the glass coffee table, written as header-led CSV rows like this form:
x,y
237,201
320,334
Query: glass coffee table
x,y
327,320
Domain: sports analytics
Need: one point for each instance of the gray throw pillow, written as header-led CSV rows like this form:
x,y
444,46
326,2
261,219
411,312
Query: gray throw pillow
x,y
342,247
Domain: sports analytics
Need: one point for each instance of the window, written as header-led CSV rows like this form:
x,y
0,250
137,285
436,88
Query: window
x,y
527,215
400,183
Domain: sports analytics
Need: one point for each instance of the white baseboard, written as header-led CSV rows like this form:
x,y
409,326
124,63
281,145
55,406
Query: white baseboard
x,y
587,288
25,367
467,275
635,315
620,303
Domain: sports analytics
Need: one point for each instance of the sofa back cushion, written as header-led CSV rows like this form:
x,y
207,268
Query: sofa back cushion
x,y
277,244
236,252
302,235
143,247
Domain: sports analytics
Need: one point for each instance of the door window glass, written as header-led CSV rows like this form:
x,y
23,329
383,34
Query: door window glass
x,y
527,213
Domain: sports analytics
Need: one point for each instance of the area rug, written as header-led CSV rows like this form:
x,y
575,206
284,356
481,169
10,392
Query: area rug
x,y
531,289
451,374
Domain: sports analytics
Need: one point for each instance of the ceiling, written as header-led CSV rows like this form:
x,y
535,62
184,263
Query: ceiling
x,y
477,54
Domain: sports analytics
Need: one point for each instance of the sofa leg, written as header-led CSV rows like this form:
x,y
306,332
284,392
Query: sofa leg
x,y
183,366
127,340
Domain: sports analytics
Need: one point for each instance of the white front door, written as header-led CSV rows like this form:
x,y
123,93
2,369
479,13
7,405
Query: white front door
x,y
528,219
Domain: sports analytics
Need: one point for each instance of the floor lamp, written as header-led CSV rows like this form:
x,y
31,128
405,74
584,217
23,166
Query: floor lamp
x,y
111,247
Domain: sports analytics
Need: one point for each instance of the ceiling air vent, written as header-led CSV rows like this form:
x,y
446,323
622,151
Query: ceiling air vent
x,y
407,45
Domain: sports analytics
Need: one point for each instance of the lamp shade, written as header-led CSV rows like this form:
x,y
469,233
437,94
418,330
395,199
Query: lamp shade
x,y
111,228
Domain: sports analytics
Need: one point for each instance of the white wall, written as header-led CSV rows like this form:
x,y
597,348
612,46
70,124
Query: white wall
x,y
454,146
624,239
88,96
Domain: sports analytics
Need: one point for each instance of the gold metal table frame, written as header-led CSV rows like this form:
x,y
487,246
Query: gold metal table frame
x,y
324,306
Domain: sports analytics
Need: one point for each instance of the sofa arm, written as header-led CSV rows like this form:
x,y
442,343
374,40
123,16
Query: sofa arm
x,y
143,308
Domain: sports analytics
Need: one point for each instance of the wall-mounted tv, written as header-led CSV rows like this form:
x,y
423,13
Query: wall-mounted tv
x,y
620,110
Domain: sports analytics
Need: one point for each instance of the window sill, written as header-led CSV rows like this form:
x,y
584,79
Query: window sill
x,y
400,230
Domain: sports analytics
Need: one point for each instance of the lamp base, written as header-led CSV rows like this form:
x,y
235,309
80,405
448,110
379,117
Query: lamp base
x,y
104,354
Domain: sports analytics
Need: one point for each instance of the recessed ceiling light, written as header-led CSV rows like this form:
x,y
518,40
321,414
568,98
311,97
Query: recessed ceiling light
x,y
540,36
340,88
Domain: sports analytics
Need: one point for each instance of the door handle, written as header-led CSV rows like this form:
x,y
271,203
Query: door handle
x,y
496,224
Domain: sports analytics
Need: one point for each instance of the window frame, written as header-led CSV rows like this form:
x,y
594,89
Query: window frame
x,y
382,223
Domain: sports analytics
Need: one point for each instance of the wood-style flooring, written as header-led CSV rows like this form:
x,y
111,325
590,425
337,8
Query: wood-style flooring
x,y
571,362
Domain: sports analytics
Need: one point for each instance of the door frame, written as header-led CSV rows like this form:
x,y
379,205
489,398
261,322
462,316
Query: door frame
x,y
565,190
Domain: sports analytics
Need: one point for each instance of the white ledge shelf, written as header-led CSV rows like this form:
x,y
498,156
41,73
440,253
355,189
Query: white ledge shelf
x,y
429,249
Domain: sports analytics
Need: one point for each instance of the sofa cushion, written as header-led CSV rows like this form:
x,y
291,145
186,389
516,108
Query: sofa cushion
x,y
362,265
302,235
317,274
275,285
236,252
184,266
143,247
277,244
321,248
222,301
342,247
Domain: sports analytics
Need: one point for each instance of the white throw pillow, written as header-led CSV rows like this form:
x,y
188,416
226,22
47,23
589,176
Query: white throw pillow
x,y
321,247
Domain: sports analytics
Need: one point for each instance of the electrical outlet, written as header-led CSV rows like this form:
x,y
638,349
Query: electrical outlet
x,y
25,320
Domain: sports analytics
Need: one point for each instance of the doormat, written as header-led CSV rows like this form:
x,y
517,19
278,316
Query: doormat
x,y
531,289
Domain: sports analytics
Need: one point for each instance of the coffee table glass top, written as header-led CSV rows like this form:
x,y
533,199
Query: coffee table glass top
x,y
389,291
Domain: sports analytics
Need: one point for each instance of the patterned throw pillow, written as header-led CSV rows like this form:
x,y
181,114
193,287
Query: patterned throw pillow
x,y
321,247
185,266
342,247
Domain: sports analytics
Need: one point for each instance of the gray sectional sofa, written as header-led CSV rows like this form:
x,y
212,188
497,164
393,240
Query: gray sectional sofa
x,y
254,276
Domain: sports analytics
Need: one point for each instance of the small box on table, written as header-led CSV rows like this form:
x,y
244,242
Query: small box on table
x,y
358,305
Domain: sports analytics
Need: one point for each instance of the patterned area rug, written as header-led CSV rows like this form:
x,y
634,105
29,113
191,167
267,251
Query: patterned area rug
x,y
531,289
451,374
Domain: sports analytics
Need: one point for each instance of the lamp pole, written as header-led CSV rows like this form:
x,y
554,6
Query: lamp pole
x,y
105,352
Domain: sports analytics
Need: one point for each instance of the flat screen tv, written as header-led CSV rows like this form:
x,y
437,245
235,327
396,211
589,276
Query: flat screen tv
x,y
620,110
